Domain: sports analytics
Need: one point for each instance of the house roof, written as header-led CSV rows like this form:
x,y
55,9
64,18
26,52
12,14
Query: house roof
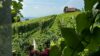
x,y
71,9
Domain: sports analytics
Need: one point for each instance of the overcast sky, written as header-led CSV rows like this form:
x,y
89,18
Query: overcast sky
x,y
38,8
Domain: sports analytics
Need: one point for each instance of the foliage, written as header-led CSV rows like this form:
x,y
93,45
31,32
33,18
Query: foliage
x,y
25,32
79,31
15,10
83,39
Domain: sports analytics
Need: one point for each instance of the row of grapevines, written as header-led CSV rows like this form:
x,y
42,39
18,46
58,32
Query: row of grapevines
x,y
25,32
84,39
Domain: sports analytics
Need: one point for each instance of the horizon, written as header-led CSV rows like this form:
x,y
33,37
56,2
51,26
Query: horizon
x,y
38,8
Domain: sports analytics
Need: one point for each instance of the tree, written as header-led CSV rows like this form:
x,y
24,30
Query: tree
x,y
65,9
5,28
15,10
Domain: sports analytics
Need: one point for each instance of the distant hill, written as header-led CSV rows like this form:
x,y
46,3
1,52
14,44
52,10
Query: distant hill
x,y
27,18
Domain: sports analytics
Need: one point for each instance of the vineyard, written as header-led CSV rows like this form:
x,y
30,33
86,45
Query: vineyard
x,y
70,34
41,29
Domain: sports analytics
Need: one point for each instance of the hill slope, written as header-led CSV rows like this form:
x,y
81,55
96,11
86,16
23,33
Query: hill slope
x,y
41,29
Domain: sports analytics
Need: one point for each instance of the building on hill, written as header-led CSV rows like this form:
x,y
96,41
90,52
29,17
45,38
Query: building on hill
x,y
68,9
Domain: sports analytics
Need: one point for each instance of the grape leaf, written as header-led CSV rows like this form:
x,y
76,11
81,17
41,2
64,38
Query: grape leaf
x,y
98,6
82,22
55,51
89,4
67,51
71,39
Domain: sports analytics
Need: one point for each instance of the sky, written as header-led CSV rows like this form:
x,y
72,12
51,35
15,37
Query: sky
x,y
39,8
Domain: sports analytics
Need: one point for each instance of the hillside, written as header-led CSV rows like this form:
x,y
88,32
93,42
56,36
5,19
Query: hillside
x,y
41,29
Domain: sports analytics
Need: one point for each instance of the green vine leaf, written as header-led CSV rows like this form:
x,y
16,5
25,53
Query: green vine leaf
x,y
71,39
96,33
98,6
82,22
55,51
67,51
89,4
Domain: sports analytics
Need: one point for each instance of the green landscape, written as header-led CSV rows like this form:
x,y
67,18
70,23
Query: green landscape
x,y
75,32
41,29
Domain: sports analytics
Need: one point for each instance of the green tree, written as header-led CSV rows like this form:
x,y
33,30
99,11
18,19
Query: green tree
x,y
15,10
5,28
